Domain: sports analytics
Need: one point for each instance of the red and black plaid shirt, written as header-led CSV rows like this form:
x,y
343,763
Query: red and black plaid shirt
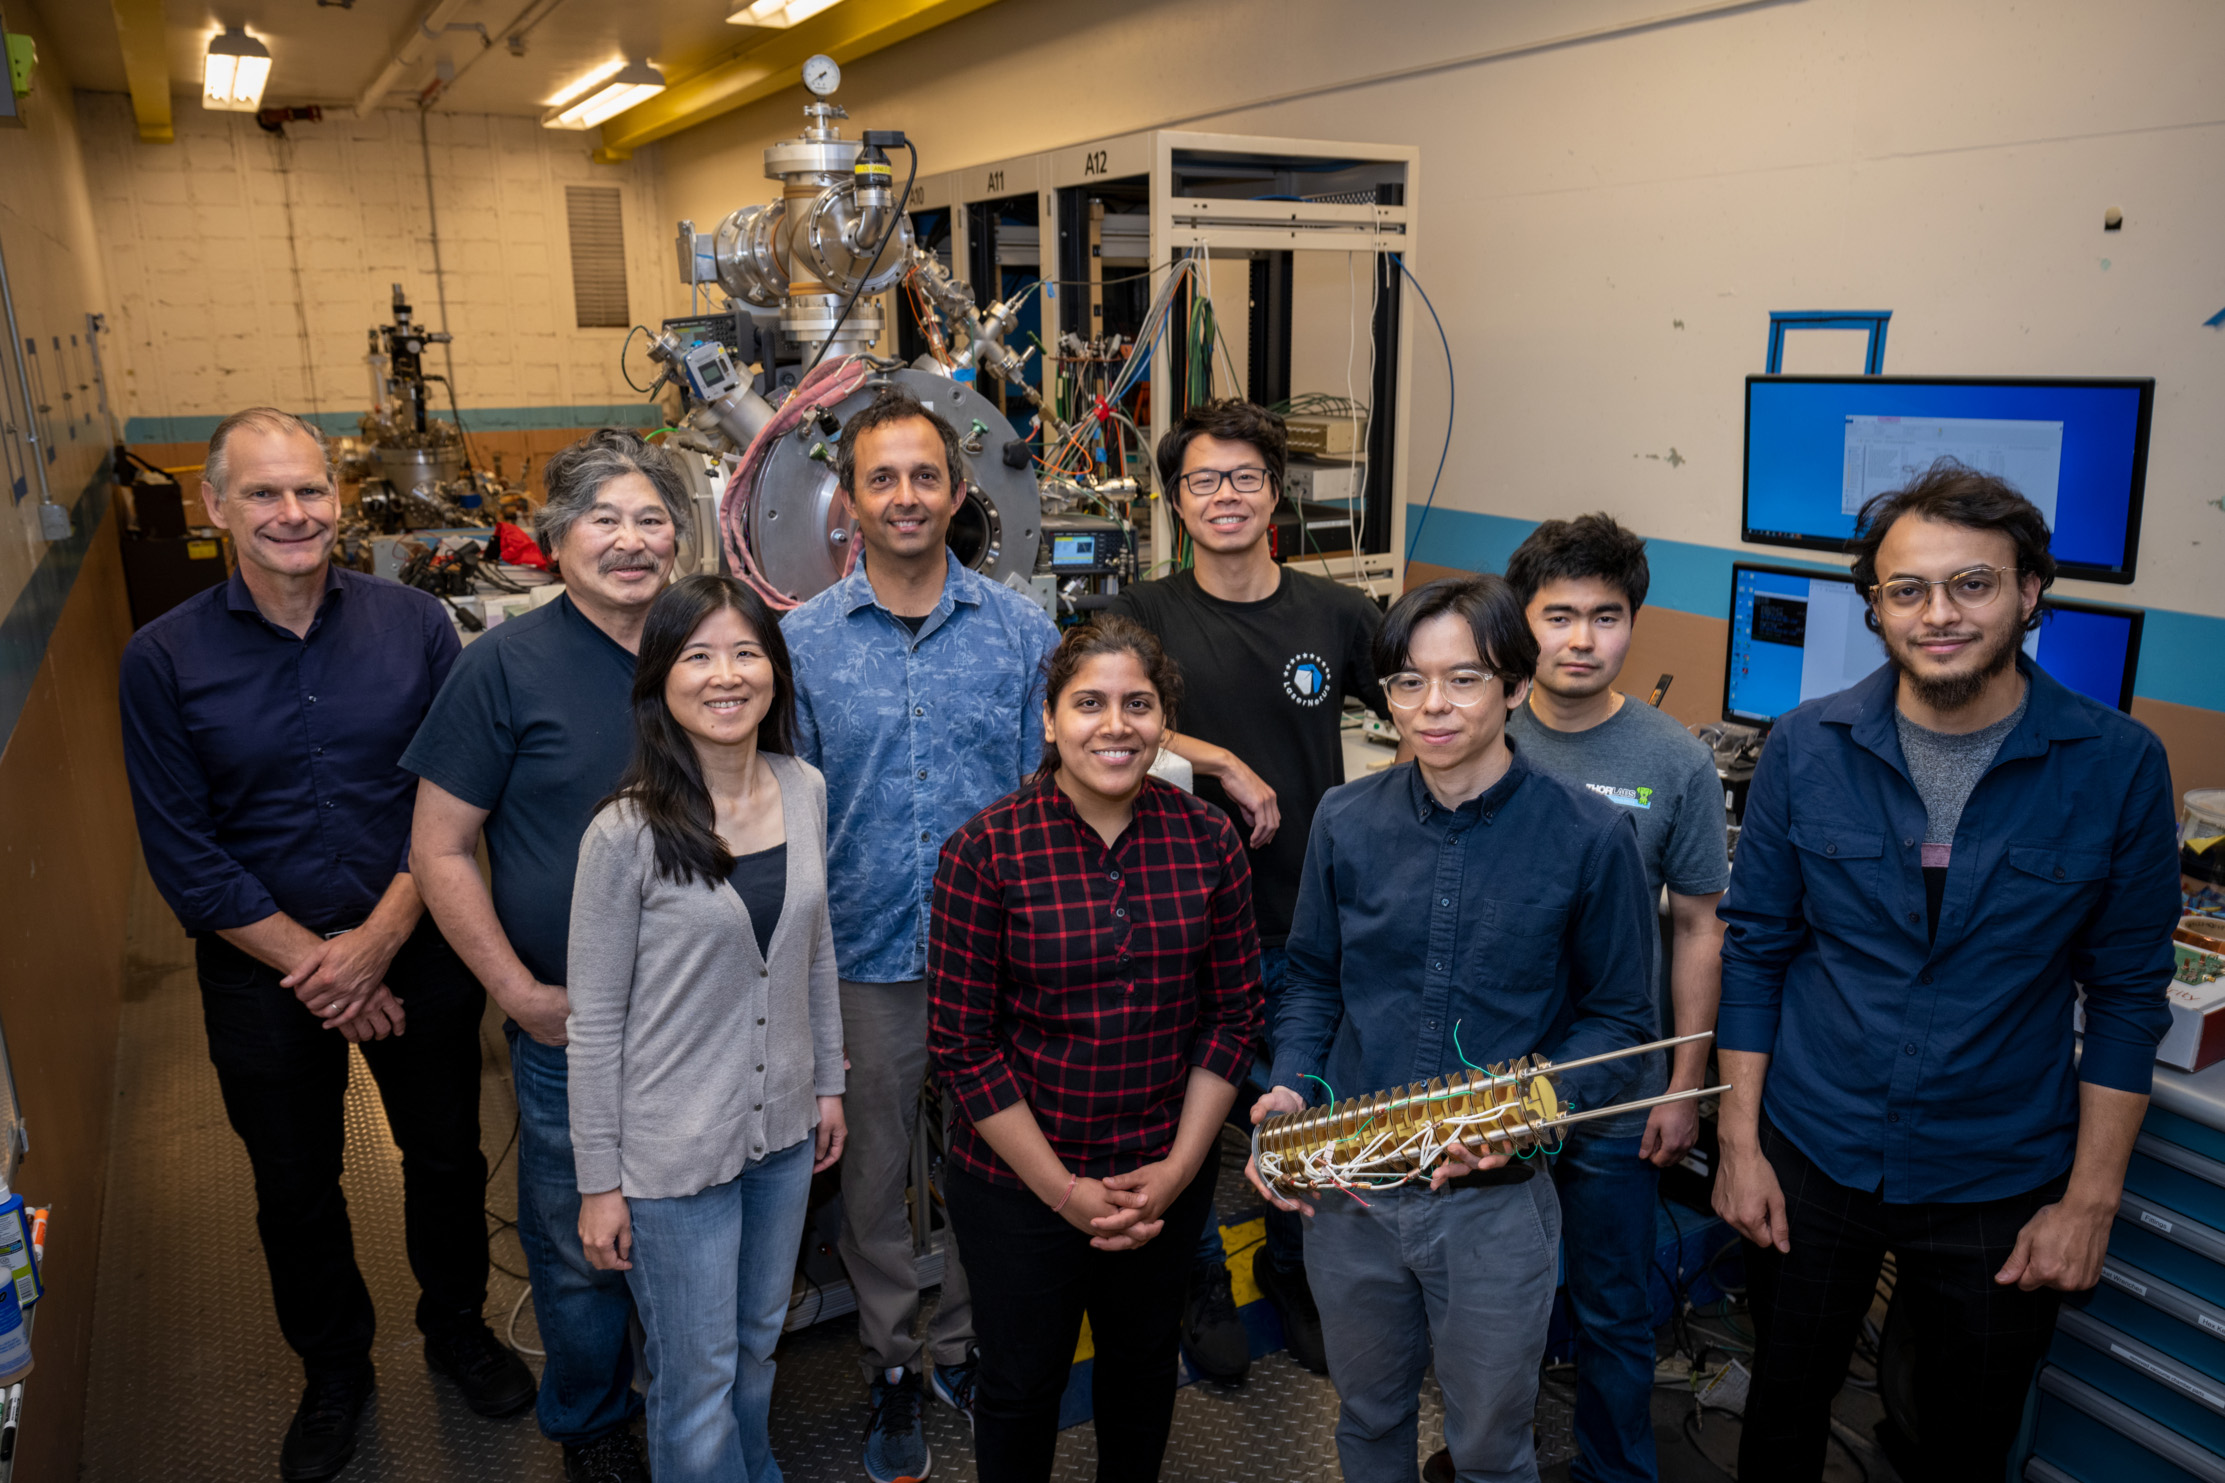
x,y
1087,981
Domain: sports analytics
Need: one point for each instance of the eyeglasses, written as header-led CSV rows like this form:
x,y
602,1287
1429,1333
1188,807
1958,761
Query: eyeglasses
x,y
1968,590
1250,479
1463,687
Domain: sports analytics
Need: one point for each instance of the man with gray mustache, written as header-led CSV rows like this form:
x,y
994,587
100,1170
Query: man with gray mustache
x,y
528,736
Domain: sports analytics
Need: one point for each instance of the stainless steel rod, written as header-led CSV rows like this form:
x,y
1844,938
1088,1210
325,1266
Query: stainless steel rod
x,y
1557,1067
1638,1106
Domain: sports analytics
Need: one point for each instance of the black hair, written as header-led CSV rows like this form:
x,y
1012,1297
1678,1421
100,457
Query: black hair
x,y
663,779
1955,494
1493,612
1108,633
1232,420
1590,546
893,405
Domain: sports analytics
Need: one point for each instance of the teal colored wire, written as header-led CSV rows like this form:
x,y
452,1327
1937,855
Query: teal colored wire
x,y
1456,1050
1332,1091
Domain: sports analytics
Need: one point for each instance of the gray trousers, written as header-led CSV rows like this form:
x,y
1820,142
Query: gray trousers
x,y
1467,1274
884,1034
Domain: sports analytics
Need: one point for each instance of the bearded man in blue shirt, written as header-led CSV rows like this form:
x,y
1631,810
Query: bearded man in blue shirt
x,y
1933,864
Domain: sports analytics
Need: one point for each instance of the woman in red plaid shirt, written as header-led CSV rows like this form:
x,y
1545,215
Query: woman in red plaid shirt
x,y
1095,980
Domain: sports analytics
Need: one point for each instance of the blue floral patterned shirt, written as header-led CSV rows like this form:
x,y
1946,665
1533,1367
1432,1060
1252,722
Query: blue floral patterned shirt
x,y
916,733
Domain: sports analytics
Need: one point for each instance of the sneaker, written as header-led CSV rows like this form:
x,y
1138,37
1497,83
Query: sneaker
x,y
895,1447
322,1437
954,1384
1211,1330
1439,1467
1301,1320
613,1457
495,1382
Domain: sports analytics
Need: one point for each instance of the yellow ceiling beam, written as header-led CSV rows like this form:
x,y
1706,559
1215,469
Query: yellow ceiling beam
x,y
146,66
846,32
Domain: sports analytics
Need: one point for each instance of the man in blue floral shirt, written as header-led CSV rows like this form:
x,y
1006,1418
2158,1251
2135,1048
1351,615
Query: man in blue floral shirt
x,y
919,694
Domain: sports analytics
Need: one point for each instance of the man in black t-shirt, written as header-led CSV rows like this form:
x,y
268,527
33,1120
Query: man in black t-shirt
x,y
1268,656
527,737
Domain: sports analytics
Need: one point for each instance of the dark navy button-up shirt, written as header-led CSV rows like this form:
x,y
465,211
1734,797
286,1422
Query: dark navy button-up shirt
x,y
265,768
1521,918
915,733
1941,1070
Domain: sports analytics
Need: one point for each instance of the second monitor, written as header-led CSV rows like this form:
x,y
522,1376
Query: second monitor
x,y
1799,635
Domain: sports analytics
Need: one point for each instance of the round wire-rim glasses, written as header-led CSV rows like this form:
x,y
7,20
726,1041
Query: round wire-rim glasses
x,y
1970,589
1463,688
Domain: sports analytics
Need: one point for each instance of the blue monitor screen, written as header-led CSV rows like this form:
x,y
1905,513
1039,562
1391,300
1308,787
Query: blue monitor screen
x,y
1818,446
1797,636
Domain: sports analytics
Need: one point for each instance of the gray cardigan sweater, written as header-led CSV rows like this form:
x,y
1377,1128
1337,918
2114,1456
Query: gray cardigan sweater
x,y
690,1053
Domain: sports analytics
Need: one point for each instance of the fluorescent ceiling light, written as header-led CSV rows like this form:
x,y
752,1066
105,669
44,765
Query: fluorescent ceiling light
x,y
576,89
234,72
606,97
777,13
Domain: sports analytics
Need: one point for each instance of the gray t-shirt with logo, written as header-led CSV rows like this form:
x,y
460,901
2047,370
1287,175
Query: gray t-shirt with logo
x,y
1644,760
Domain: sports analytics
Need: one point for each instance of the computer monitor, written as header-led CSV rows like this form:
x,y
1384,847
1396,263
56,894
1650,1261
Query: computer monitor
x,y
1818,446
1797,635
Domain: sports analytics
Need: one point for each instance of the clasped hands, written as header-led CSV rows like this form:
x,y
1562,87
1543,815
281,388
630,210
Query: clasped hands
x,y
1122,1212
343,983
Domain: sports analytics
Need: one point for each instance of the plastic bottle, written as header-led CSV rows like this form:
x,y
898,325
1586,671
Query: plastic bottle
x,y
18,1267
22,1276
15,1340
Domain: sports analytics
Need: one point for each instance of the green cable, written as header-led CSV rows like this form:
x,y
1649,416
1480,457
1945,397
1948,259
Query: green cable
x,y
1456,1050
1332,1091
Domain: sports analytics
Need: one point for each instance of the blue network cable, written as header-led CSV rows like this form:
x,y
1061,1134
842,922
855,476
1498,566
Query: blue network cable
x,y
1452,392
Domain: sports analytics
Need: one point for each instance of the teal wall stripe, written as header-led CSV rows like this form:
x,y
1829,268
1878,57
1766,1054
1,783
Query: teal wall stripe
x,y
2179,652
29,625
476,419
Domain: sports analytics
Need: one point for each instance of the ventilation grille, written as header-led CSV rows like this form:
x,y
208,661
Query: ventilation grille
x,y
598,257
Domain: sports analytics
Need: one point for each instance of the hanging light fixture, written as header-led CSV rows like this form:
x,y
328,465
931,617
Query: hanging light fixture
x,y
605,96
234,72
778,14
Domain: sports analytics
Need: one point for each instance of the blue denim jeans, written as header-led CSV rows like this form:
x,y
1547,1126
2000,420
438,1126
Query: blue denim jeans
x,y
1466,1274
711,1274
1608,1195
585,1315
1286,1232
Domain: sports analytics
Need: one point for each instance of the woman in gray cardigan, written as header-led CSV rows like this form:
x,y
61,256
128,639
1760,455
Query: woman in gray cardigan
x,y
706,1032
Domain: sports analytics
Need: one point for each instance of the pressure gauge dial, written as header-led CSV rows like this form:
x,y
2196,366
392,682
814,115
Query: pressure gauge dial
x,y
821,75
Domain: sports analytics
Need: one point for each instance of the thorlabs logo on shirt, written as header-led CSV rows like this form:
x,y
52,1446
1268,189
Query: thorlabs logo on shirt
x,y
1305,679
1627,797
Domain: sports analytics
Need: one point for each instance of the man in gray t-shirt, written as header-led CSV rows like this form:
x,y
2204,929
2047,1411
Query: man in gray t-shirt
x,y
1582,582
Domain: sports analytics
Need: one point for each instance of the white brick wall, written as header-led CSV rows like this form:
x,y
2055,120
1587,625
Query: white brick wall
x,y
246,268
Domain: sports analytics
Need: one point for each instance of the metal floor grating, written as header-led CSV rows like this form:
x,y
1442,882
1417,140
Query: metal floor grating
x,y
190,1378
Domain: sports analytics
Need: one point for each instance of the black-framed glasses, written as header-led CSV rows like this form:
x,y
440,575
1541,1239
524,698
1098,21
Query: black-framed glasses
x,y
1250,479
1463,687
1970,589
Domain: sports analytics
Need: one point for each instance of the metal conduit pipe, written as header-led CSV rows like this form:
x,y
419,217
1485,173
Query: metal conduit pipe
x,y
421,34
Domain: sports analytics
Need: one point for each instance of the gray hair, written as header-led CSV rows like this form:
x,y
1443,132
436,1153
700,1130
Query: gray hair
x,y
576,476
217,469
